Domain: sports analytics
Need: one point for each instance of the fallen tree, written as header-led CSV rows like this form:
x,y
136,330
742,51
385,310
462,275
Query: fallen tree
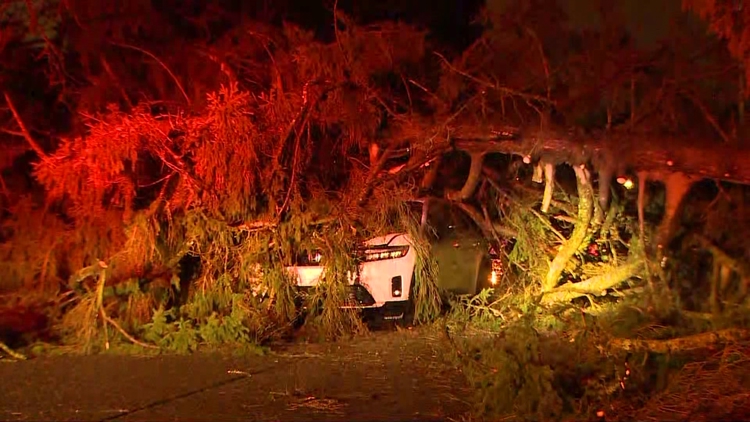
x,y
682,344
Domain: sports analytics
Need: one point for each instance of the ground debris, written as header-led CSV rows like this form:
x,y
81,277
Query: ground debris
x,y
312,403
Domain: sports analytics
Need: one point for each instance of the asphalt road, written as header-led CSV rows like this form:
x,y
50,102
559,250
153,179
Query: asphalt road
x,y
386,377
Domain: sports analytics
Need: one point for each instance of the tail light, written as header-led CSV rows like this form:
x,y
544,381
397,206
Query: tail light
x,y
389,252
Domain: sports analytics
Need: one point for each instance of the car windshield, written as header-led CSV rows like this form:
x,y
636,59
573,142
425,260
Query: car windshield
x,y
448,221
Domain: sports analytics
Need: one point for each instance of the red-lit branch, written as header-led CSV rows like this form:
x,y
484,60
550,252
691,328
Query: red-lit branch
x,y
24,131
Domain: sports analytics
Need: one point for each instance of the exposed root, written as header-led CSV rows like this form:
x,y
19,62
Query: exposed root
x,y
538,175
676,185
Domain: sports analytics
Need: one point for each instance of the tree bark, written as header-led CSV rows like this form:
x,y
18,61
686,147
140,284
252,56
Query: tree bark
x,y
585,209
694,157
596,286
475,175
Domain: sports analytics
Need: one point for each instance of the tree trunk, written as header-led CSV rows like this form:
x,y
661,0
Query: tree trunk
x,y
694,157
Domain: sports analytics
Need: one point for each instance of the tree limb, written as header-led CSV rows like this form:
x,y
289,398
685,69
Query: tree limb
x,y
491,85
475,175
595,285
681,344
585,208
487,227
161,63
26,134
708,116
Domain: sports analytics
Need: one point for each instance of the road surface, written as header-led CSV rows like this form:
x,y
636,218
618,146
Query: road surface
x,y
390,376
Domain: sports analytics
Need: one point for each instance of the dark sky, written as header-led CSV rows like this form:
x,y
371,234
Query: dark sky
x,y
450,20
648,21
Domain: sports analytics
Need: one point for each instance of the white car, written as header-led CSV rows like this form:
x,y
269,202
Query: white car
x,y
385,275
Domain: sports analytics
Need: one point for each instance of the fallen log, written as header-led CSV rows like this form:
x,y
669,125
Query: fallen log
x,y
682,344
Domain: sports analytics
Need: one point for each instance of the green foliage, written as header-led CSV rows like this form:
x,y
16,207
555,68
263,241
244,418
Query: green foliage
x,y
510,376
481,311
426,295
208,320
326,304
531,260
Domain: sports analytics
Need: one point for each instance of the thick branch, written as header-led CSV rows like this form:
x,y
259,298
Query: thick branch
x,y
596,286
475,175
585,209
681,344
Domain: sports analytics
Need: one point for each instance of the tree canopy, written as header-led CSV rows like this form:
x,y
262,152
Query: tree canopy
x,y
142,121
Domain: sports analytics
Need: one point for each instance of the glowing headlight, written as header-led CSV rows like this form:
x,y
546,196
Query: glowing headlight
x,y
388,253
